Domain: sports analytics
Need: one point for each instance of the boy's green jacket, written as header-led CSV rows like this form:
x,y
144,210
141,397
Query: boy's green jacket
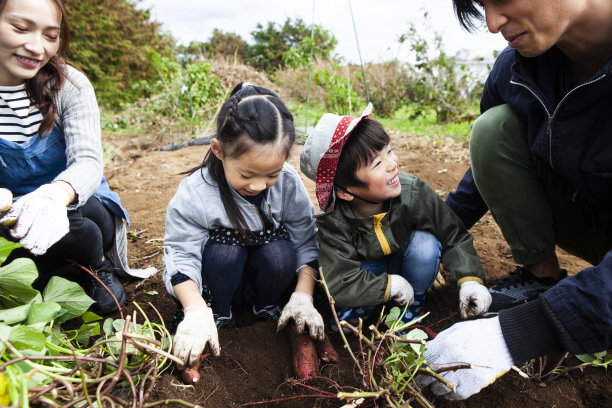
x,y
345,241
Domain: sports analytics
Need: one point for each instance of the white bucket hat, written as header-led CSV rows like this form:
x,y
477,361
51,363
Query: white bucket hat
x,y
319,158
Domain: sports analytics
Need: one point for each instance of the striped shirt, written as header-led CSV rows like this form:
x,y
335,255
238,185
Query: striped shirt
x,y
19,118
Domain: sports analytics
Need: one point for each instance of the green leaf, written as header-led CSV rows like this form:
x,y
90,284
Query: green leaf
x,y
69,295
16,282
108,327
6,247
15,314
26,337
43,312
5,332
416,334
393,316
86,331
89,317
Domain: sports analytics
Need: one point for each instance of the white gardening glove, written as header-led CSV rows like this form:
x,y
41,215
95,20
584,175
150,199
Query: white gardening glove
x,y
476,342
401,291
193,334
474,299
301,310
6,199
40,218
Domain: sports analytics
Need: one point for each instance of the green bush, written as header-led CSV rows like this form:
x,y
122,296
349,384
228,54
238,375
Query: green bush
x,y
110,41
181,99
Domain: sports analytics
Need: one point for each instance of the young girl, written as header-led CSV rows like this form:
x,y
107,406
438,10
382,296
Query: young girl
x,y
51,155
239,226
383,232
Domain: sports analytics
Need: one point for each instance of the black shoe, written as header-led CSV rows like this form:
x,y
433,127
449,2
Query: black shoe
x,y
520,287
225,323
104,301
269,313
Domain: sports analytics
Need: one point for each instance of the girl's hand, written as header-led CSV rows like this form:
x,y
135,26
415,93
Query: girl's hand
x,y
193,334
40,218
474,299
301,310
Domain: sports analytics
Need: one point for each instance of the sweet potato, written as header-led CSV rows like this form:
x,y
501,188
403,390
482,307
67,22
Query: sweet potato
x,y
190,375
326,351
305,358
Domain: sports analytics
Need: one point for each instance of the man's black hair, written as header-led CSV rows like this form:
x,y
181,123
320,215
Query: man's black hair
x,y
469,12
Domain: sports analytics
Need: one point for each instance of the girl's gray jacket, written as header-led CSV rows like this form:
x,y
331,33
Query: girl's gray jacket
x,y
196,209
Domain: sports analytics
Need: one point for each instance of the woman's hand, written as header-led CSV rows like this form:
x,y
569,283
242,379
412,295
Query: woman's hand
x,y
193,334
301,310
40,218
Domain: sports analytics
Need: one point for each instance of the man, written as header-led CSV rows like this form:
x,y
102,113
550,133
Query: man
x,y
541,157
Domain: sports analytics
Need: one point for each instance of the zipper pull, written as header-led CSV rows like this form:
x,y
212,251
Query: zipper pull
x,y
549,126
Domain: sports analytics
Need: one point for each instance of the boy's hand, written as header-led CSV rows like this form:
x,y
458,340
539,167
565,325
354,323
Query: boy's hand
x,y
301,310
474,299
401,291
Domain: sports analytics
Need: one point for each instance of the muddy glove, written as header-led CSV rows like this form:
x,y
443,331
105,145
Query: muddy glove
x,y
401,291
6,199
40,218
476,342
474,299
301,310
195,331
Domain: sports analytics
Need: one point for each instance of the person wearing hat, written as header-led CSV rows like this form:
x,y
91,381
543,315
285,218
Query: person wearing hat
x,y
382,233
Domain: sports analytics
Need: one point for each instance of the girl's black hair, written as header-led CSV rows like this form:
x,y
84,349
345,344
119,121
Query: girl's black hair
x,y
251,115
469,12
365,141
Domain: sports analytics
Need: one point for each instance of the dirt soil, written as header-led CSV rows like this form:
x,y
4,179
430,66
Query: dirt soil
x,y
255,363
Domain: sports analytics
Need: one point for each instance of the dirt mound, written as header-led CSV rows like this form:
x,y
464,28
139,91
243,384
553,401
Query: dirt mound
x,y
255,361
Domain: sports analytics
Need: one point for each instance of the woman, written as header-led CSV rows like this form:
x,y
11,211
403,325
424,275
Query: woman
x,y
51,155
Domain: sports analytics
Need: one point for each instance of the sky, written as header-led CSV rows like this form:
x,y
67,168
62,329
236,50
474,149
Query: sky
x,y
378,23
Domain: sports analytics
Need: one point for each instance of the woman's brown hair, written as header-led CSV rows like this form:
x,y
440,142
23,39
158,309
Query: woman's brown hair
x,y
47,82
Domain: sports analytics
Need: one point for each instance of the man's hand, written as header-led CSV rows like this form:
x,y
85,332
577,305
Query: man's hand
x,y
40,218
474,299
301,310
401,291
477,342
193,334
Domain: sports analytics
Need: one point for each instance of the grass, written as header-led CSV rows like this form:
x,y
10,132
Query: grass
x,y
427,126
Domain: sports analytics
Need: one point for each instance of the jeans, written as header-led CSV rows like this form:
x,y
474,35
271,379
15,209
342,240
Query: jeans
x,y
418,262
262,275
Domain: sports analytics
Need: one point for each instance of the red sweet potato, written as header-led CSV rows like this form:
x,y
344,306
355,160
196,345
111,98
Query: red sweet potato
x,y
190,375
326,351
305,358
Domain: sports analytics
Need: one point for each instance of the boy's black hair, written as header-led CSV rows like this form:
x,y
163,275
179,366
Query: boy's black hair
x,y
367,139
469,12
251,115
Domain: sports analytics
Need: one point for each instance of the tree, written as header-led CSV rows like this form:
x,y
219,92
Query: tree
x,y
110,42
229,45
290,45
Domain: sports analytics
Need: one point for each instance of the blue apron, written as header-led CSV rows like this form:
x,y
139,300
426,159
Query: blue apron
x,y
27,166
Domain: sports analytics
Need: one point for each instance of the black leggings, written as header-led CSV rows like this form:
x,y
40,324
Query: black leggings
x,y
92,231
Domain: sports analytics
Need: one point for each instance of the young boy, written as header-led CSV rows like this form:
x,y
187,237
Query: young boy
x,y
382,233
